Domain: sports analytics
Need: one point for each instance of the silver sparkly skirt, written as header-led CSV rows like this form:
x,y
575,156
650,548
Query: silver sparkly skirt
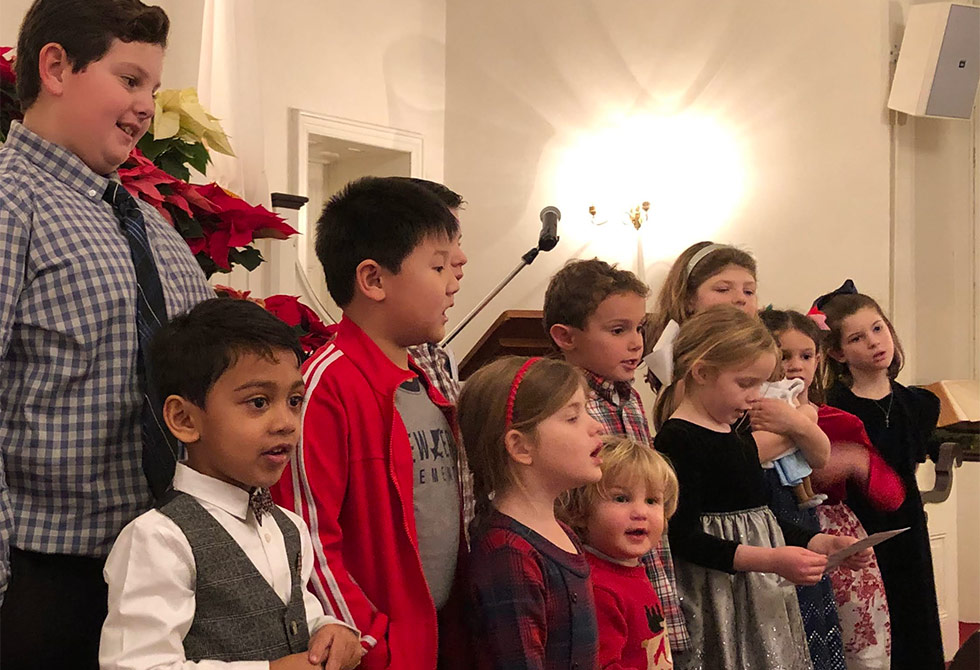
x,y
745,621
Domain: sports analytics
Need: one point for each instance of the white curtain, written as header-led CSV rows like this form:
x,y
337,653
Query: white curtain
x,y
227,85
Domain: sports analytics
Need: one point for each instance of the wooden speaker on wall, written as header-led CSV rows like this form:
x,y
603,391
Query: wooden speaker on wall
x,y
939,62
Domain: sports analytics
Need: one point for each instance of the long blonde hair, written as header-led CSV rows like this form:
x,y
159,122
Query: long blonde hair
x,y
721,336
547,385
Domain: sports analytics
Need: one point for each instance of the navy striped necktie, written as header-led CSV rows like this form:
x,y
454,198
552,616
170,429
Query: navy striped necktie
x,y
160,448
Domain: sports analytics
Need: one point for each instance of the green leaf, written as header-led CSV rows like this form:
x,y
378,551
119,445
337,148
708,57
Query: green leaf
x,y
208,265
172,163
196,154
248,257
152,148
187,227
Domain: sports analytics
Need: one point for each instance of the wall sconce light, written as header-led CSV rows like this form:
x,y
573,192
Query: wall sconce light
x,y
636,216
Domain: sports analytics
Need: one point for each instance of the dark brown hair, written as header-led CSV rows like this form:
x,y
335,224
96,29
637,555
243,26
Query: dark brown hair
x,y
575,292
780,321
379,218
547,385
449,197
85,30
836,310
192,350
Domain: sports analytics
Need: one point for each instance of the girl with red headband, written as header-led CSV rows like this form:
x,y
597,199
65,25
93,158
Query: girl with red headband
x,y
529,440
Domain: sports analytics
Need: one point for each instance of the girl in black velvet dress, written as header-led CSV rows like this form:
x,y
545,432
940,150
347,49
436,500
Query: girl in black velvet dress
x,y
863,357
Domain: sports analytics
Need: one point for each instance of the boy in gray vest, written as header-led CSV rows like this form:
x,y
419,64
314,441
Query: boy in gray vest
x,y
217,572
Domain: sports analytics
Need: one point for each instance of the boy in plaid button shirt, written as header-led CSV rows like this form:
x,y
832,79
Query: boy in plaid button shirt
x,y
595,315
70,429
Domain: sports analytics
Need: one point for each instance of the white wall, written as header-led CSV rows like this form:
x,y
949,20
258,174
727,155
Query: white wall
x,y
11,14
180,69
967,487
378,62
799,88
381,62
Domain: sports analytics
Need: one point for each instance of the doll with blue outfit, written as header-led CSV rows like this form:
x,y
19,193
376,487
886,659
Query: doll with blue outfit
x,y
792,467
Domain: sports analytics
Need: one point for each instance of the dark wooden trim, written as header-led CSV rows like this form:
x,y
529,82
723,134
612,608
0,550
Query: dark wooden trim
x,y
288,200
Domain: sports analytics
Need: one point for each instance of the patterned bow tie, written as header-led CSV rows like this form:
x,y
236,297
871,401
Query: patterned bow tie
x,y
261,503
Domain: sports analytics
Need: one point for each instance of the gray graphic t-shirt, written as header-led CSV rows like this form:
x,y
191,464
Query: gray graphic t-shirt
x,y
436,486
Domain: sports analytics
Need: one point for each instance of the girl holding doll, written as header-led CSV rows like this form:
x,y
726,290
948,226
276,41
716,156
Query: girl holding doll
x,y
529,439
708,274
862,358
860,594
730,547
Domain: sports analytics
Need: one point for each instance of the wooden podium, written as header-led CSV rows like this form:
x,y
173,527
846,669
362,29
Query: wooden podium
x,y
518,332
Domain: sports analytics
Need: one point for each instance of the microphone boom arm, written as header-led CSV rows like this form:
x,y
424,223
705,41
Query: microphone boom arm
x,y
490,296
546,242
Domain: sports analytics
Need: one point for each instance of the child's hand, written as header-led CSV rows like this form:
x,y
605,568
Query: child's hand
x,y
300,661
335,647
829,544
800,566
776,416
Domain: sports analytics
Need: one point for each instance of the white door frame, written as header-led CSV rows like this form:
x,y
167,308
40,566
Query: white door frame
x,y
304,124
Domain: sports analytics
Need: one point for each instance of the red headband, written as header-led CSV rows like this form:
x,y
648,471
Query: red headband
x,y
513,390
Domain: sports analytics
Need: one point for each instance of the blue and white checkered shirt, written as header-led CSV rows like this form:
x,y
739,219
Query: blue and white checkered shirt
x,y
69,399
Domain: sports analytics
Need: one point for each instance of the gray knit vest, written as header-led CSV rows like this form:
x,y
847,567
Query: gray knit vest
x,y
238,616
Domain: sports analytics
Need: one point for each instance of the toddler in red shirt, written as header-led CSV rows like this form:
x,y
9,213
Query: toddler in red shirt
x,y
621,518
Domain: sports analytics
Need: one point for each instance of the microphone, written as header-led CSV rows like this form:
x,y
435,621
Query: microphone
x,y
550,216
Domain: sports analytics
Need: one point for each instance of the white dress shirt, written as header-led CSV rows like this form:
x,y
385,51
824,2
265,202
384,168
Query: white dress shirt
x,y
151,576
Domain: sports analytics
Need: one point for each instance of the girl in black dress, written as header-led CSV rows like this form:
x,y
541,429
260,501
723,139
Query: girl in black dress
x,y
863,357
730,548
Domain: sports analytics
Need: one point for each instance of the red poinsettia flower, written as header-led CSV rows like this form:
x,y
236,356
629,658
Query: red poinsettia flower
x,y
226,221
7,75
142,178
245,222
312,331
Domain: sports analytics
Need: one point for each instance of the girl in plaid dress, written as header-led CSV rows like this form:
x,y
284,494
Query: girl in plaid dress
x,y
529,440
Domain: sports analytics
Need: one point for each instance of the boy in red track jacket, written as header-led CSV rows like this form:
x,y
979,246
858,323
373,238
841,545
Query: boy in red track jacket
x,y
375,476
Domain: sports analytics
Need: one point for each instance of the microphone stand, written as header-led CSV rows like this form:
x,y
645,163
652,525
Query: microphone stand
x,y
526,260
546,242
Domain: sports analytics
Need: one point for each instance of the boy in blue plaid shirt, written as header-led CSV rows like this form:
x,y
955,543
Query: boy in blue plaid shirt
x,y
72,387
595,314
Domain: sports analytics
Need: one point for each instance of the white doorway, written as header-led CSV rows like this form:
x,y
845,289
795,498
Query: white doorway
x,y
325,154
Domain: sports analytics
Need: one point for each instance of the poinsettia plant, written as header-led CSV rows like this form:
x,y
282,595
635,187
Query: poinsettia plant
x,y
312,332
9,106
218,225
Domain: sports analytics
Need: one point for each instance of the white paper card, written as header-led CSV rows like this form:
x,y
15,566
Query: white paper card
x,y
839,557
